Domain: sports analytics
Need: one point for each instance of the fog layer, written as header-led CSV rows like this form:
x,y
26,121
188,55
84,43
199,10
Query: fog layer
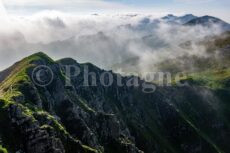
x,y
108,41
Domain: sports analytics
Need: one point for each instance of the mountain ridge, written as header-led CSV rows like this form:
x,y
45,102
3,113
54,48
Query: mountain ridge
x,y
179,19
108,119
209,21
191,20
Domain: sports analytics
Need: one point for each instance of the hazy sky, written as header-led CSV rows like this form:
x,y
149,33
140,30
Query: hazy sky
x,y
219,8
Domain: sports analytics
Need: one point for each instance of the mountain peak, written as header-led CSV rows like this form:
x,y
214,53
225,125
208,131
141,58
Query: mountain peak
x,y
206,20
179,19
38,58
209,21
67,61
207,17
39,55
189,15
169,17
186,18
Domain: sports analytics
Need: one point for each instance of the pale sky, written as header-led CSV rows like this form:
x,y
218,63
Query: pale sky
x,y
218,8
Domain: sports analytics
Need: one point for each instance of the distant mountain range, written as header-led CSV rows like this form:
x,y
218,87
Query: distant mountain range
x,y
190,19
150,39
179,19
148,24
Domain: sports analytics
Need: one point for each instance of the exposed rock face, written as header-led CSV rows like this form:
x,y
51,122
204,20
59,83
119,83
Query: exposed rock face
x,y
60,119
38,133
37,140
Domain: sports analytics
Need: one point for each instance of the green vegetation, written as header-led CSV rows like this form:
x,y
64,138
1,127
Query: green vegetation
x,y
53,122
80,101
211,70
89,150
223,40
215,79
19,75
3,150
37,116
13,87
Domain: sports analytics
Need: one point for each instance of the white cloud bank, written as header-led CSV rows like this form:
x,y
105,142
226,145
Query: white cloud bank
x,y
104,40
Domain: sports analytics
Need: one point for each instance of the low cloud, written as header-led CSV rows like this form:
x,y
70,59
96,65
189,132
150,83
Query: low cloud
x,y
130,41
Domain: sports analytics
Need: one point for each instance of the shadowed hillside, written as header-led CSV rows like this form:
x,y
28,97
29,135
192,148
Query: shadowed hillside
x,y
77,118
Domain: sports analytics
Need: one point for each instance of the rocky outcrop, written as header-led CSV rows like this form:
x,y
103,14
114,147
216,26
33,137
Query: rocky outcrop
x,y
37,133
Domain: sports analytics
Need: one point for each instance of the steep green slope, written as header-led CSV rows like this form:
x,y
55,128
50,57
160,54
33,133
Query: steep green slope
x,y
41,125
